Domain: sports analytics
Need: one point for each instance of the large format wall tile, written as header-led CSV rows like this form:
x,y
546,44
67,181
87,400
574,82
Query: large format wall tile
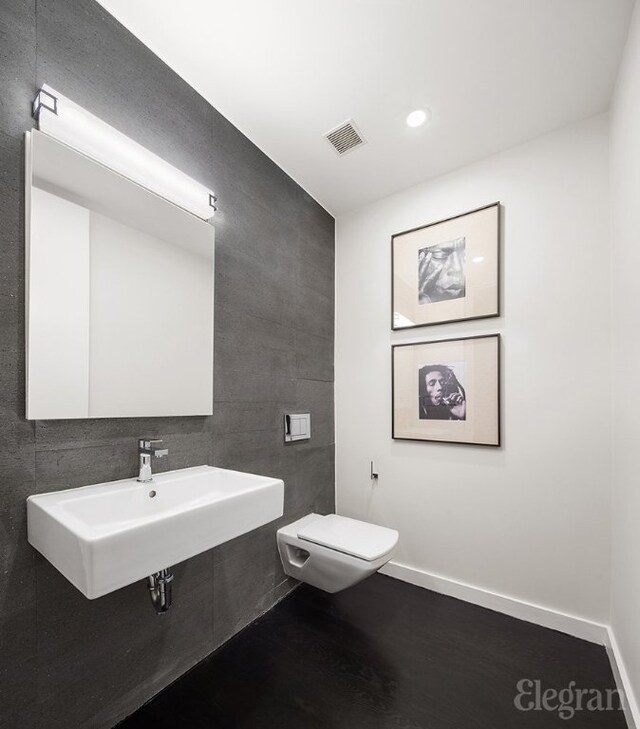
x,y
145,648
18,635
244,283
315,312
316,396
312,487
17,65
314,357
68,662
246,572
248,343
263,185
85,55
12,382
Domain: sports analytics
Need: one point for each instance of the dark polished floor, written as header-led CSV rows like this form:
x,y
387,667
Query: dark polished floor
x,y
384,655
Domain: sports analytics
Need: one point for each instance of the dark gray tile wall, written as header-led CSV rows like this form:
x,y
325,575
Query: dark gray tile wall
x,y
66,661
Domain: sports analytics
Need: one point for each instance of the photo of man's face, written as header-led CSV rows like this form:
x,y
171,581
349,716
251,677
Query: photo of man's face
x,y
441,272
435,381
441,393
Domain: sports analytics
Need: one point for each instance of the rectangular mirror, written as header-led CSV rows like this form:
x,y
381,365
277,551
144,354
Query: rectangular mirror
x,y
119,294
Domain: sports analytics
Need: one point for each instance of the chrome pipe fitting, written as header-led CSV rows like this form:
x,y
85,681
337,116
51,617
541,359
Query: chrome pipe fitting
x,y
159,585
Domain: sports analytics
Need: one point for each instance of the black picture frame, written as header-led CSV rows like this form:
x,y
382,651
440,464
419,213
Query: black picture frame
x,y
482,292
440,428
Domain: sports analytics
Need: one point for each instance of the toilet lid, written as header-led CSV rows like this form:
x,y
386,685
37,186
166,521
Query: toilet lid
x,y
357,538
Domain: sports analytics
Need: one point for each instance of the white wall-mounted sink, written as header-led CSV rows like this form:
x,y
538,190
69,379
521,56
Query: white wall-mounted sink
x,y
109,535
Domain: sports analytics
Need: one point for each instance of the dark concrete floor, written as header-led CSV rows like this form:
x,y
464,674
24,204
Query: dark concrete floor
x,y
384,655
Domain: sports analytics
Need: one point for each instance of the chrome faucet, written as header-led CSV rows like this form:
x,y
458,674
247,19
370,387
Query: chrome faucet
x,y
147,448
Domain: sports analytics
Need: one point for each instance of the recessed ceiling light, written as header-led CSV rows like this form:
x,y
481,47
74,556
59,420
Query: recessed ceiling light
x,y
417,117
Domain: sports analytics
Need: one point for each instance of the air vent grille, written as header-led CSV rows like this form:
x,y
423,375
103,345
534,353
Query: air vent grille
x,y
345,137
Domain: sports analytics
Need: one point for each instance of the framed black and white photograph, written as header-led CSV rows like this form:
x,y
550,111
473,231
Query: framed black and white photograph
x,y
447,390
447,271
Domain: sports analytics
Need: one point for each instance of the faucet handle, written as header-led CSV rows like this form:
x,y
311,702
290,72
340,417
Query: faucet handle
x,y
152,445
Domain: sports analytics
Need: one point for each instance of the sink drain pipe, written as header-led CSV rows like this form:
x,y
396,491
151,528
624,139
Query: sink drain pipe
x,y
159,584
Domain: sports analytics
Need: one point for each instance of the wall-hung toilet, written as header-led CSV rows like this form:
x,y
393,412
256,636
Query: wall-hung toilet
x,y
334,552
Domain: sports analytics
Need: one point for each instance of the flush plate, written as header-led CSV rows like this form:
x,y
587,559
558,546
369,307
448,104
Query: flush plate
x,y
297,426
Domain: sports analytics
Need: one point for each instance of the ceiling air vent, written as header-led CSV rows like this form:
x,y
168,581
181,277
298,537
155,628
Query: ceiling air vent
x,y
345,137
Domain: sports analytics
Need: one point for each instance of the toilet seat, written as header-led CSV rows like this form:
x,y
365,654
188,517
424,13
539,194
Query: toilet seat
x,y
356,538
333,552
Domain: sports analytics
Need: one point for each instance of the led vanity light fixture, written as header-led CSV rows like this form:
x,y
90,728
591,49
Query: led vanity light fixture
x,y
69,123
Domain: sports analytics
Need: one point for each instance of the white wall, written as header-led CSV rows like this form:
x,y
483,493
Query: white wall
x,y
625,194
531,519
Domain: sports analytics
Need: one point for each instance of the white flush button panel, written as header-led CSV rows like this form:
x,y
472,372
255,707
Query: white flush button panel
x,y
297,426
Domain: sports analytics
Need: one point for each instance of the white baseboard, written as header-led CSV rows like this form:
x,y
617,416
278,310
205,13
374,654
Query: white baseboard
x,y
531,613
631,711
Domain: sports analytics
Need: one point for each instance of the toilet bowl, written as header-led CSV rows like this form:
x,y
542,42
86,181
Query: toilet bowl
x,y
334,552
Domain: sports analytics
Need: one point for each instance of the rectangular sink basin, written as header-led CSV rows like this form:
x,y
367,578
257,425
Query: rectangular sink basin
x,y
108,535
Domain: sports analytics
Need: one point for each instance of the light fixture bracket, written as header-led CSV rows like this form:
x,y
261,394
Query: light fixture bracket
x,y
45,100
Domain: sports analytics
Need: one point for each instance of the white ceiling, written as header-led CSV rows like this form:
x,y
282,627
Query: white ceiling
x,y
494,73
